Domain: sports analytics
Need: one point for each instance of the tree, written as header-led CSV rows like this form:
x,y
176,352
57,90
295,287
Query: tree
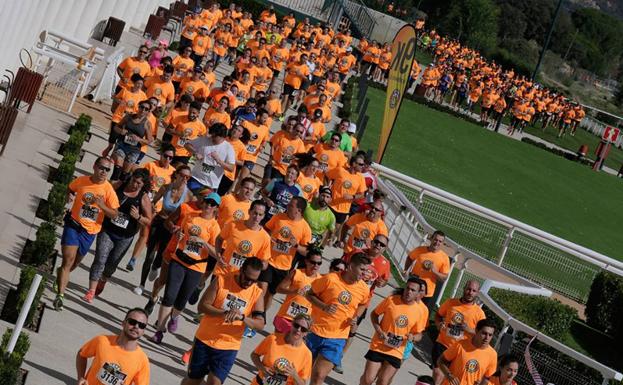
x,y
474,22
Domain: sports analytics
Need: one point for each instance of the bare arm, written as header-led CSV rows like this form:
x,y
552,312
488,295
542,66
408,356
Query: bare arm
x,y
284,286
81,369
206,304
444,367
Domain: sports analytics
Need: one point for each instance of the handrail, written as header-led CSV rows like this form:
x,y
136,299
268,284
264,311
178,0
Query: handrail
x,y
581,252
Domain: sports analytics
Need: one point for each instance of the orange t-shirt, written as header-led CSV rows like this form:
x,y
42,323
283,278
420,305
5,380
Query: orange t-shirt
x,y
328,158
181,67
284,150
363,231
295,74
84,209
495,380
309,186
159,175
128,103
263,75
399,319
131,66
423,260
332,289
469,363
277,354
231,209
345,183
297,303
242,243
239,151
345,63
201,44
213,331
454,312
259,135
196,88
163,91
110,361
185,131
197,233
278,58
285,234
213,116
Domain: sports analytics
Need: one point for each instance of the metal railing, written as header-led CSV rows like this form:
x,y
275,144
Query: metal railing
x,y
530,253
359,15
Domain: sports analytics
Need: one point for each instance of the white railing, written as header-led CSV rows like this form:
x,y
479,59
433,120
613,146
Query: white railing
x,y
530,253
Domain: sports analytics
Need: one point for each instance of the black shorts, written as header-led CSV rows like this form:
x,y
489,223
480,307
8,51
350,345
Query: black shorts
x,y
485,109
437,351
275,73
288,89
339,217
113,136
273,277
374,356
305,84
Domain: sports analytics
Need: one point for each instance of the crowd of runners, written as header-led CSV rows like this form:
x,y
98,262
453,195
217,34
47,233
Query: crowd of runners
x,y
205,231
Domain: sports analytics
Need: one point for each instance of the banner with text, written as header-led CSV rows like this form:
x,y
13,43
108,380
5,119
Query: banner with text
x,y
403,53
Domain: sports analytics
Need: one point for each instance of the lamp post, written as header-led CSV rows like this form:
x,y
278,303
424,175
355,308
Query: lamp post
x,y
547,39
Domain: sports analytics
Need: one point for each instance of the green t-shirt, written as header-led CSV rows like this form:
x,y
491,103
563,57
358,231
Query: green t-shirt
x,y
319,221
345,145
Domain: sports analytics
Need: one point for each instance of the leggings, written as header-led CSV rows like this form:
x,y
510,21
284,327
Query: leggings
x,y
109,252
181,282
158,239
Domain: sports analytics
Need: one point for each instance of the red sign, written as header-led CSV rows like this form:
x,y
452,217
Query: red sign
x,y
611,134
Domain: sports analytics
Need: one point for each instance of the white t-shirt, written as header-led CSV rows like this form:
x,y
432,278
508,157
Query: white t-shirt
x,y
207,171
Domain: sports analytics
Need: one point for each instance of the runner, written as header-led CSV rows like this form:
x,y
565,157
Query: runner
x,y
309,182
284,359
136,65
235,137
259,135
508,369
347,184
329,155
279,192
359,230
93,199
117,359
430,263
235,206
320,218
456,320
338,299
184,129
231,302
471,361
404,318
117,234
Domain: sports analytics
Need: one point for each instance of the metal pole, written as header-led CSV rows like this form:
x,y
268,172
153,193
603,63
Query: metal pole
x,y
34,286
459,279
505,245
547,39
445,282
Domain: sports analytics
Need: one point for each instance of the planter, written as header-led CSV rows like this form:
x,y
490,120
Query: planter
x,y
71,130
9,313
42,213
61,151
51,174
48,267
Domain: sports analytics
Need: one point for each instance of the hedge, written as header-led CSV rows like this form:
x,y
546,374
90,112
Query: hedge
x,y
65,171
57,198
347,99
42,247
27,275
565,154
604,307
10,363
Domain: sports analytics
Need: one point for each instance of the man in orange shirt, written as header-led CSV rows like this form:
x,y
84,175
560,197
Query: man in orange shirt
x,y
456,321
364,226
235,206
94,198
161,88
472,361
345,63
430,263
338,299
202,43
184,129
117,359
231,303
346,186
296,74
132,66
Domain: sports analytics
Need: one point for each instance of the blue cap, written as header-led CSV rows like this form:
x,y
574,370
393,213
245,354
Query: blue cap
x,y
213,196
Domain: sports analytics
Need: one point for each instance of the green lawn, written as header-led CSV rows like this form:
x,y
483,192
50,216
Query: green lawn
x,y
510,177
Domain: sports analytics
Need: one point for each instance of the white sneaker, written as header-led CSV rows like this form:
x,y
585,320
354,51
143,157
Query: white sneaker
x,y
138,290
153,274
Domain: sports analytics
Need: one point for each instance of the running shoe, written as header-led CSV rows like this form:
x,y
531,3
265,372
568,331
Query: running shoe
x,y
186,357
338,369
130,265
88,297
100,287
58,302
157,337
138,290
149,308
172,324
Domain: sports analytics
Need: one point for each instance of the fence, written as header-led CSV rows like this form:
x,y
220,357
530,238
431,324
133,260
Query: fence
x,y
532,254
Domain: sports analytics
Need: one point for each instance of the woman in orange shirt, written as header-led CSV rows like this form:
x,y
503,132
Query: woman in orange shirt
x,y
284,359
307,180
509,366
219,114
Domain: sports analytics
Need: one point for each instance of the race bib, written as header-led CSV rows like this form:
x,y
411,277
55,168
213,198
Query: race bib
x,y
276,379
276,210
359,243
207,168
393,341
89,213
281,246
234,303
122,221
287,159
130,140
454,331
193,247
237,260
316,238
251,148
295,309
109,375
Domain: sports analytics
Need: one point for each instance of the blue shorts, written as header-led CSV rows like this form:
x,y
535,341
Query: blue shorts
x,y
329,348
77,237
196,187
205,360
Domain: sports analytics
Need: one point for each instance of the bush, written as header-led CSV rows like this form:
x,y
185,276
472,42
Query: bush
x,y
603,309
10,364
25,280
43,246
347,99
65,171
83,123
74,143
547,315
57,198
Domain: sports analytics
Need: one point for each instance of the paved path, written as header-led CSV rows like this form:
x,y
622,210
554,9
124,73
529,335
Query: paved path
x,y
50,360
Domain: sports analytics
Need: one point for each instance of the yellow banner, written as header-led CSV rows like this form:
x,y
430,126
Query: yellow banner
x,y
403,53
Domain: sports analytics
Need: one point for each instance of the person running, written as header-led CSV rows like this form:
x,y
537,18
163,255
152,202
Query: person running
x,y
456,320
134,65
284,358
188,255
320,218
183,130
329,155
398,320
279,192
94,198
347,185
508,369
259,135
117,234
236,136
308,180
232,302
235,206
430,263
116,359
338,299
360,229
289,234
471,361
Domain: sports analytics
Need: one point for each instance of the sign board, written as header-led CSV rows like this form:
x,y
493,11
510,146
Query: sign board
x,y
611,134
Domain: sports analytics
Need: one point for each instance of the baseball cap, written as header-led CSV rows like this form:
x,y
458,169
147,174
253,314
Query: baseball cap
x,y
349,49
325,190
198,69
213,196
352,128
204,27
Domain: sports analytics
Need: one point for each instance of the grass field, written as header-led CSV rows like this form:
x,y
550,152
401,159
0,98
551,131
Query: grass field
x,y
510,177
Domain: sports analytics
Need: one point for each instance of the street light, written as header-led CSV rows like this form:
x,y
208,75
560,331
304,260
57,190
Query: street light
x,y
547,39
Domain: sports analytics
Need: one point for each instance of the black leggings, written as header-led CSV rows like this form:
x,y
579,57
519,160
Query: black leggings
x,y
181,282
158,239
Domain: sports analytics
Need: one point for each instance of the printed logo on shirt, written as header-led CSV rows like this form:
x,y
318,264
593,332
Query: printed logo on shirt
x,y
187,132
402,321
88,198
344,297
130,103
254,136
285,232
238,214
427,264
194,230
159,181
347,184
458,318
281,364
472,366
136,70
158,91
308,188
324,157
244,247
365,233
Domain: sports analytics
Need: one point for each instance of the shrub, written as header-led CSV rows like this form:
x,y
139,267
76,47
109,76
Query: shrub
x,y
43,246
74,143
65,171
25,280
56,201
10,364
547,315
603,308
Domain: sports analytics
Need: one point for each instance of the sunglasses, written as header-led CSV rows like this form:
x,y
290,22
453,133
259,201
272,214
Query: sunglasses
x,y
144,108
212,203
300,327
336,140
360,164
143,52
316,263
378,210
133,322
379,243
165,156
107,169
